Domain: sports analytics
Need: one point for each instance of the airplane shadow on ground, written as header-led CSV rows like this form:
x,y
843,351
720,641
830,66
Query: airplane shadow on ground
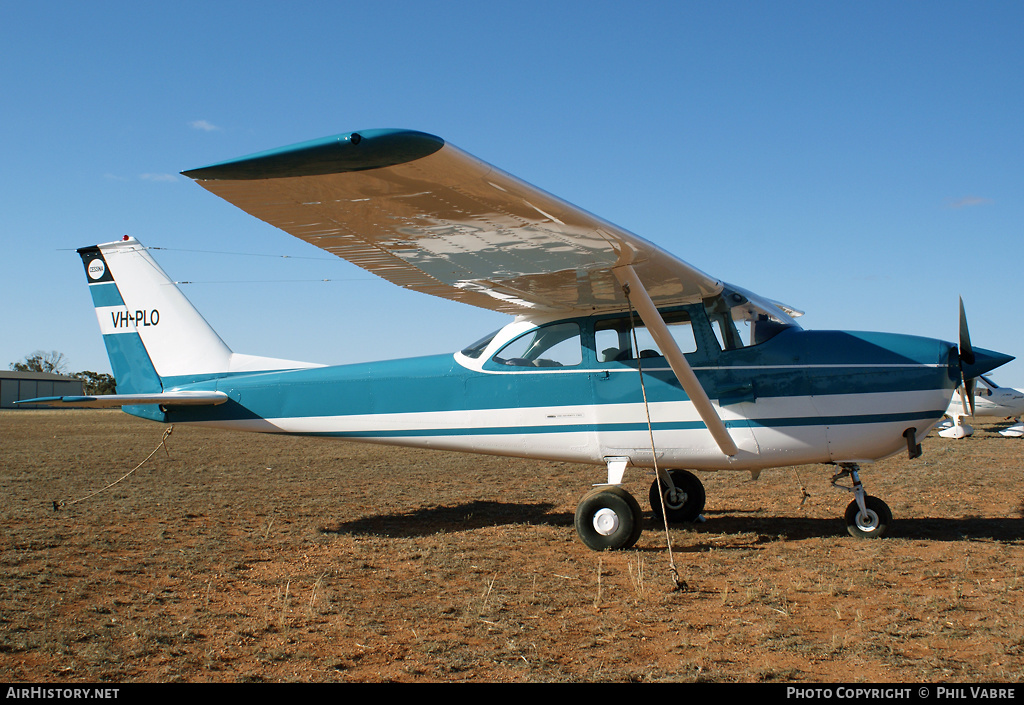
x,y
480,514
912,528
451,519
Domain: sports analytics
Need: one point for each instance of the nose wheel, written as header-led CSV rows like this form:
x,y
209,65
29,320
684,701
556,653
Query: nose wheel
x,y
866,517
870,522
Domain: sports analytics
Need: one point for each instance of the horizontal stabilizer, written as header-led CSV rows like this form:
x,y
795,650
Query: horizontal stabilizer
x,y
110,401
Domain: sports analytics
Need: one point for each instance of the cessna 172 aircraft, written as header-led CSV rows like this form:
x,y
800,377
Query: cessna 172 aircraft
x,y
619,354
984,399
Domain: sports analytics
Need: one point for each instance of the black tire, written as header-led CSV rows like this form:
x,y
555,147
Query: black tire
x,y
616,511
874,524
688,502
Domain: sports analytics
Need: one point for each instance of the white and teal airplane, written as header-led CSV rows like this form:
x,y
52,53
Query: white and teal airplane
x,y
619,354
984,399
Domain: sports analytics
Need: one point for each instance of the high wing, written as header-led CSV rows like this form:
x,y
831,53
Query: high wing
x,y
425,215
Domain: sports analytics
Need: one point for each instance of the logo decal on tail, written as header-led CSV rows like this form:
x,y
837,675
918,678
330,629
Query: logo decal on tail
x,y
96,269
95,266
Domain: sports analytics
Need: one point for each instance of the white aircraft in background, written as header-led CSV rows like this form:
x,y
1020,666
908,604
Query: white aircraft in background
x,y
987,399
620,355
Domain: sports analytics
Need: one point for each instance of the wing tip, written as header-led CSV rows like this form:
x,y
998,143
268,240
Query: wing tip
x,y
350,151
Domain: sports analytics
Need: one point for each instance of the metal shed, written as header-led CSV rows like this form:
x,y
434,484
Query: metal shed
x,y
29,385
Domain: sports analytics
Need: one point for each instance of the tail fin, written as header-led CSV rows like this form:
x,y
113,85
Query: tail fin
x,y
155,338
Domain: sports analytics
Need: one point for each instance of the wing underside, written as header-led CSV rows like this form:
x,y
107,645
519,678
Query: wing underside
x,y
429,217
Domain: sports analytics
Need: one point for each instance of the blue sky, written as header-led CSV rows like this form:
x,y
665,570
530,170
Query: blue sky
x,y
861,161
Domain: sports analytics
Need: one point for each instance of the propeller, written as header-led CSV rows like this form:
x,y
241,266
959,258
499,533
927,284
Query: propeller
x,y
966,357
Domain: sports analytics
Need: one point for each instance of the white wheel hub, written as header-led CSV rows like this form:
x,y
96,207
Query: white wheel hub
x,y
606,522
867,521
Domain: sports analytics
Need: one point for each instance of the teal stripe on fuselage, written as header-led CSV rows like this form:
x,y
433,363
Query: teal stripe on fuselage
x,y
788,422
795,363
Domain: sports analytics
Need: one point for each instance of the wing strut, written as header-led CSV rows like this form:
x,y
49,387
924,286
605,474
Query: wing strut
x,y
676,360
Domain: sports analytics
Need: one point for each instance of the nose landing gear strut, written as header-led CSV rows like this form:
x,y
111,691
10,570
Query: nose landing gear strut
x,y
867,517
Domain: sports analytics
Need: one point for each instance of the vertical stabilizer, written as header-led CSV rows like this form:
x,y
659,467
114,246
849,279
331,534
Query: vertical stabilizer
x,y
155,338
150,329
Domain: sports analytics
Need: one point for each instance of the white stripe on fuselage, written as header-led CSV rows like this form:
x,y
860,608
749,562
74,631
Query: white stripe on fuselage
x,y
588,432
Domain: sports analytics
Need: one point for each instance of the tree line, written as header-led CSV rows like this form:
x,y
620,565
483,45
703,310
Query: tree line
x,y
56,363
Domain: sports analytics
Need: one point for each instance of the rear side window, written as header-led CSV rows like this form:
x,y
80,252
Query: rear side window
x,y
555,345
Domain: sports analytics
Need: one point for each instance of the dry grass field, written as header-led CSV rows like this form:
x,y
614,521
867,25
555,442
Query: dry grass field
x,y
245,558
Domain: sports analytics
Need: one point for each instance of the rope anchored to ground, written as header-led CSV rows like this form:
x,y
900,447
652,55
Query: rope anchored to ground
x,y
680,584
58,504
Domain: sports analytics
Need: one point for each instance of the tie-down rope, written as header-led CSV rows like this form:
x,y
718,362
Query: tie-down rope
x,y
680,584
59,503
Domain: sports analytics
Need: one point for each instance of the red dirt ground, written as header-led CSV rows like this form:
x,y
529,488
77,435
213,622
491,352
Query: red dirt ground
x,y
232,557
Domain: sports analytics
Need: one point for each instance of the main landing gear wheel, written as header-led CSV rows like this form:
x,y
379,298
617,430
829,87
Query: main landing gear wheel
x,y
869,524
684,503
609,519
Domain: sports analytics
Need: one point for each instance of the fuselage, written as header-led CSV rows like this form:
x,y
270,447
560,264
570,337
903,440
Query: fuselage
x,y
585,389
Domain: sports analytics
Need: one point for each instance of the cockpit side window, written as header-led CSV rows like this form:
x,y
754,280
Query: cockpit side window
x,y
613,337
734,318
722,323
555,345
